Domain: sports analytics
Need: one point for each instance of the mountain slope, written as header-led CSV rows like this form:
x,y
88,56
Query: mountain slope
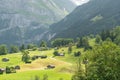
x,y
89,18
26,20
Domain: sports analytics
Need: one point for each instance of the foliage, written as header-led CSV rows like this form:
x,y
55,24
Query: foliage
x,y
55,53
76,54
22,47
43,44
31,46
10,70
83,42
14,49
111,35
25,56
98,39
61,42
3,50
103,63
70,49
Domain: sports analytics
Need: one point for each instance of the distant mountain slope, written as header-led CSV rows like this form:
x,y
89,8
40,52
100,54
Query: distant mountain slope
x,y
27,20
91,17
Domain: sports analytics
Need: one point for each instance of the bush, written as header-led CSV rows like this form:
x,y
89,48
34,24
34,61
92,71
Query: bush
x,y
25,56
3,50
34,58
69,49
35,48
55,53
76,54
28,62
43,56
14,49
10,70
7,70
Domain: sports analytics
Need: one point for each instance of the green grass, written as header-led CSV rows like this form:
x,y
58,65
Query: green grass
x,y
15,59
65,66
27,75
69,57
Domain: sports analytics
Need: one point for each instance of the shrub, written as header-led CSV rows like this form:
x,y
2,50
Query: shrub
x,y
10,70
7,70
76,54
28,62
55,53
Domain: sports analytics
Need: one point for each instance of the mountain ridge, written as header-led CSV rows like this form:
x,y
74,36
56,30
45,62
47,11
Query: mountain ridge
x,y
29,16
89,18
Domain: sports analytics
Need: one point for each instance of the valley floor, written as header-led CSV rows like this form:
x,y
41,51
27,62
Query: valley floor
x,y
64,66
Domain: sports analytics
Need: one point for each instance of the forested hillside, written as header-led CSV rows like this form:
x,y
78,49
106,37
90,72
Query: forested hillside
x,y
90,18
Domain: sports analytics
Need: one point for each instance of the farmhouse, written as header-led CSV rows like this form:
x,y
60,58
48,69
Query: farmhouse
x,y
1,70
61,54
50,66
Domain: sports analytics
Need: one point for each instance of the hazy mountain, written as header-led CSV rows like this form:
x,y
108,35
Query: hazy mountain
x,y
23,21
89,18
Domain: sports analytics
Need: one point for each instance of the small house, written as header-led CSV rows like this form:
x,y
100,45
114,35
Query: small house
x,y
61,54
50,66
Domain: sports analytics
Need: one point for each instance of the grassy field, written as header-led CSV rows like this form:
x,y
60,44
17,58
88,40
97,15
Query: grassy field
x,y
64,65
38,67
29,75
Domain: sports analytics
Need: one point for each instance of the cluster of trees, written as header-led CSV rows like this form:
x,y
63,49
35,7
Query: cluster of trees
x,y
109,35
83,43
4,50
14,49
61,42
101,63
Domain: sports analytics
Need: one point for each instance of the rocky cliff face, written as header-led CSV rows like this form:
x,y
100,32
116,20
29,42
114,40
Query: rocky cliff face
x,y
23,21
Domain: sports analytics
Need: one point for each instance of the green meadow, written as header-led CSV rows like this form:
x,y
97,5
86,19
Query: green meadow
x,y
64,65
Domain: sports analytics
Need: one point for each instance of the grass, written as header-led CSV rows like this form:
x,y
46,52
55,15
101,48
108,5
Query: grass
x,y
29,75
37,67
64,66
15,59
